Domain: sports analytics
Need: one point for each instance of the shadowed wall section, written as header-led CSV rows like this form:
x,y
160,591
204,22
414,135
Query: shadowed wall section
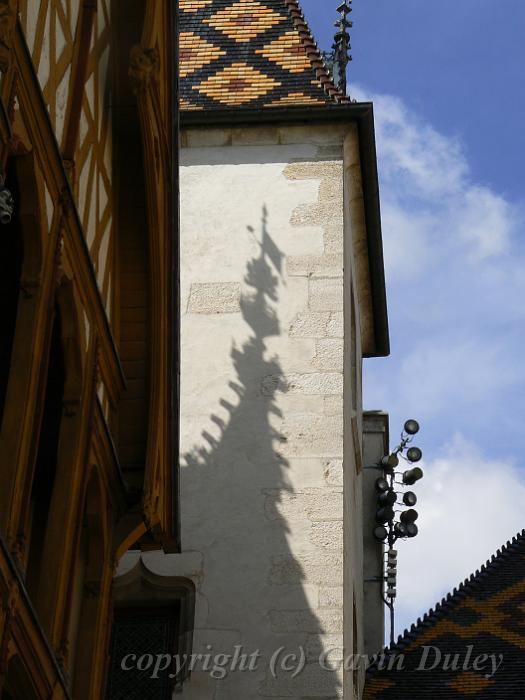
x,y
252,576
270,498
262,340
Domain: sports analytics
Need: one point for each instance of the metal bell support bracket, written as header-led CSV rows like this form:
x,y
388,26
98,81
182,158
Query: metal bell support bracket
x,y
389,527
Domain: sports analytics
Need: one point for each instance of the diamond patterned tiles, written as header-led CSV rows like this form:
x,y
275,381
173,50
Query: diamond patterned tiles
x,y
237,84
193,5
250,54
469,683
485,615
295,98
245,20
288,52
195,53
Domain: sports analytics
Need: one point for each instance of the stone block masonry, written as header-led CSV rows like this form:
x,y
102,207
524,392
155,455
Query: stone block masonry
x,y
262,397
215,298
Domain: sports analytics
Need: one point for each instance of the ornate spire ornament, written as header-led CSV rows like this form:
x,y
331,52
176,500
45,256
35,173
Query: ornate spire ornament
x,y
342,46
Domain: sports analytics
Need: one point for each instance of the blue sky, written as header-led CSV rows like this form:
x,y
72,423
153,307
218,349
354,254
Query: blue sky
x,y
448,83
458,63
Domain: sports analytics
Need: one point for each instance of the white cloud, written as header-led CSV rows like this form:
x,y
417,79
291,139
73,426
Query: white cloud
x,y
412,149
469,507
485,221
427,185
455,269
445,374
455,265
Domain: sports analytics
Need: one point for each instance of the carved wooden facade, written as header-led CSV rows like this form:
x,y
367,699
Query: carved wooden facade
x,y
87,380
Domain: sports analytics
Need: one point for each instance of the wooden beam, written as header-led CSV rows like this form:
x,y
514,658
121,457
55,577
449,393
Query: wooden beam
x,y
41,133
78,77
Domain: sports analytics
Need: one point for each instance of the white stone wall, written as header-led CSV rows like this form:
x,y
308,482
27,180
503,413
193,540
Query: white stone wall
x,y
263,332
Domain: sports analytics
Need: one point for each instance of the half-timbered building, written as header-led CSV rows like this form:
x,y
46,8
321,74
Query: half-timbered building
x,y
88,385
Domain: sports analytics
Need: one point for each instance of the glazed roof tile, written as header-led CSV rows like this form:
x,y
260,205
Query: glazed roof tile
x,y
486,612
250,54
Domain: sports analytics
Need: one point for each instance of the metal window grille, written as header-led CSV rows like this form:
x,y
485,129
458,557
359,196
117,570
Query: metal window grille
x,y
142,632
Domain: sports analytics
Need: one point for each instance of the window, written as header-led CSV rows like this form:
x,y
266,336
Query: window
x,y
140,635
144,628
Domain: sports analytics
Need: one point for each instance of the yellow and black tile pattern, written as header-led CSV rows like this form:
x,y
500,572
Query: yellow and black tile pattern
x,y
195,53
250,54
487,615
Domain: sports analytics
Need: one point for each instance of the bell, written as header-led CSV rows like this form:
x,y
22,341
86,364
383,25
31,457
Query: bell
x,y
414,454
411,427
409,516
410,498
412,475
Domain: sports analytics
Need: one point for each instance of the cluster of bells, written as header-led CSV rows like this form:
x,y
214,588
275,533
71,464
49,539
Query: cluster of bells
x,y
387,528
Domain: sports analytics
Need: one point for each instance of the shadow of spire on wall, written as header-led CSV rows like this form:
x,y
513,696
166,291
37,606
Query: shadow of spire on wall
x,y
233,490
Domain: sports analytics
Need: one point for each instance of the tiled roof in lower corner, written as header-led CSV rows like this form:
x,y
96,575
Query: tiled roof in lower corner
x,y
250,54
484,618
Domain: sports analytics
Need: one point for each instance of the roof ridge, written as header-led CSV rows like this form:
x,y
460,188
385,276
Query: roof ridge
x,y
314,53
434,614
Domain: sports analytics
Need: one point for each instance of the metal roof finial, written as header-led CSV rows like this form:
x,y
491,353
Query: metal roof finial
x,y
342,46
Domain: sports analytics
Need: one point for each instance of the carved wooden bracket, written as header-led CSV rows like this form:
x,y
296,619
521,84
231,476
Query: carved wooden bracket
x,y
62,654
8,603
66,202
18,549
29,286
7,27
92,589
10,599
70,168
148,510
58,270
70,407
143,68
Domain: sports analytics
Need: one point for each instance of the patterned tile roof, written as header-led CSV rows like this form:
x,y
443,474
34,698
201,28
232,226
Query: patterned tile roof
x,y
251,54
487,614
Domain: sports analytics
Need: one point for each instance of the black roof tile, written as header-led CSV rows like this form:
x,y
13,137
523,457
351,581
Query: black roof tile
x,y
486,614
